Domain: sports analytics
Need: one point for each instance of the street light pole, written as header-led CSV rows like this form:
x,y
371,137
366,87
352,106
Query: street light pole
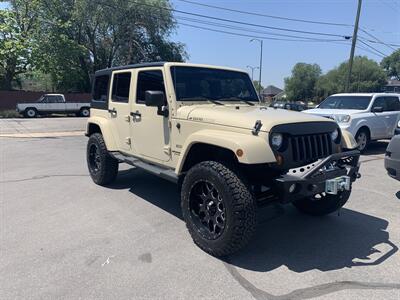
x,y
261,57
353,46
252,71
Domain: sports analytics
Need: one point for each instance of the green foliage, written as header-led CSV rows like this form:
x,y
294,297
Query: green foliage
x,y
366,76
301,84
16,29
70,40
79,37
391,64
257,85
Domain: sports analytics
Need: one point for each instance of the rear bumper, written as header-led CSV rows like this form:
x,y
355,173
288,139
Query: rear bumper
x,y
311,180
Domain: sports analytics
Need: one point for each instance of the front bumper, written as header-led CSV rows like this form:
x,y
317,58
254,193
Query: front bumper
x,y
311,180
392,166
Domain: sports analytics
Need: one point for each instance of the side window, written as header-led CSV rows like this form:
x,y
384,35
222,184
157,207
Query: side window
x,y
100,89
380,102
121,87
59,99
149,81
393,103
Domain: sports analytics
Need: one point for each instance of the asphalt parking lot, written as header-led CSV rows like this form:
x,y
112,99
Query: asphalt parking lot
x,y
62,236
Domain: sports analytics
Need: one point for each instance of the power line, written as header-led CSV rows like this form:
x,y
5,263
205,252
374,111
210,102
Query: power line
x,y
370,51
210,23
377,39
254,36
265,15
243,23
287,19
389,5
369,46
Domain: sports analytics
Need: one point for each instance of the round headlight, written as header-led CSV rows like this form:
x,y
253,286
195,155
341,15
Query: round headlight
x,y
335,135
276,140
398,124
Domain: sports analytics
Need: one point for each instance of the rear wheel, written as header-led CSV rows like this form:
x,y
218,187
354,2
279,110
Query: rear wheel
x,y
84,112
322,204
30,113
218,208
102,167
362,139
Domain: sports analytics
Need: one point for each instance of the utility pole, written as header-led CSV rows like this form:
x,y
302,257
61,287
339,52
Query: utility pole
x,y
261,57
353,46
252,71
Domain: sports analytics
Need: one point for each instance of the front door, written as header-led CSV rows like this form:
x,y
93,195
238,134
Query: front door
x,y
119,109
150,131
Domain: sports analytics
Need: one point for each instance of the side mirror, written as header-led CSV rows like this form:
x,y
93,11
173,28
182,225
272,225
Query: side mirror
x,y
154,98
377,109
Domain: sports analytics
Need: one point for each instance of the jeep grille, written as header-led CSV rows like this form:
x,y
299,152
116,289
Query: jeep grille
x,y
310,147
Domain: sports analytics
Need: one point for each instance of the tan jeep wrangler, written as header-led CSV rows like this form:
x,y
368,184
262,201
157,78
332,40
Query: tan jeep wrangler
x,y
203,128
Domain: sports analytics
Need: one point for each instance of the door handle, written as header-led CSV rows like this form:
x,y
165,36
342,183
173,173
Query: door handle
x,y
112,111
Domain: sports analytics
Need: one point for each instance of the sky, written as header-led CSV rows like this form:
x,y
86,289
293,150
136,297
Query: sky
x,y
379,17
279,57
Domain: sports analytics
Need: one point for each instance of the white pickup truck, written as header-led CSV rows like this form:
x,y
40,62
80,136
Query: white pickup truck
x,y
368,116
53,103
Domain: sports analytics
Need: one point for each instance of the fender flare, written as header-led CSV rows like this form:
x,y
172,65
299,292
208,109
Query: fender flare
x,y
256,149
105,128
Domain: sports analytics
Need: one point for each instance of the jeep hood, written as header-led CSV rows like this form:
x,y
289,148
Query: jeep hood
x,y
243,116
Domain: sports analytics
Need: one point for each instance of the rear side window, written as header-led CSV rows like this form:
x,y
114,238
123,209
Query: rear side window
x,y
121,87
393,104
100,89
149,81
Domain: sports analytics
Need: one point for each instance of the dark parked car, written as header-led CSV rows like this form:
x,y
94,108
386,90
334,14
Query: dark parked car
x,y
392,158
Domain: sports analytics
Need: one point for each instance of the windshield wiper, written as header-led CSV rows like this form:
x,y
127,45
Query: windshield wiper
x,y
201,99
238,99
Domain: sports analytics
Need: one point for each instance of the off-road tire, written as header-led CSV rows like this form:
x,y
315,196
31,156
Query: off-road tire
x,y
361,132
107,165
325,205
240,208
30,112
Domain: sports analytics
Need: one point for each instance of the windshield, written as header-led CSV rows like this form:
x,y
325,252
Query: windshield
x,y
346,102
204,84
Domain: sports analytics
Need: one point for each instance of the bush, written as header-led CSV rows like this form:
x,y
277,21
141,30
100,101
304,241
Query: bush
x,y
9,113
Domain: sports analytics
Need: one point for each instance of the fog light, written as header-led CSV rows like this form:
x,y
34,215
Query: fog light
x,y
292,188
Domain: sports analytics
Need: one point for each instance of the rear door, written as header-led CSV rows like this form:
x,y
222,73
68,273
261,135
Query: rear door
x,y
378,121
119,108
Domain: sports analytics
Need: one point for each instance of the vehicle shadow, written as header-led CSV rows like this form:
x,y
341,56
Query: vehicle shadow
x,y
376,147
285,237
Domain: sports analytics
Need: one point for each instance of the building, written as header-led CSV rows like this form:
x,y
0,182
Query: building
x,y
269,93
393,86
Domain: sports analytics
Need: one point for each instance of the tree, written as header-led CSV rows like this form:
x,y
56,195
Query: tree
x,y
80,37
16,29
391,64
301,84
257,85
367,76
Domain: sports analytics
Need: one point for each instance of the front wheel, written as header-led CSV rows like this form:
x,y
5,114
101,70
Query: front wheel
x,y
218,208
362,139
102,167
322,204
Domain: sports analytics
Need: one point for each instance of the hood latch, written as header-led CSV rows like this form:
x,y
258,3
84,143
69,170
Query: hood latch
x,y
257,127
